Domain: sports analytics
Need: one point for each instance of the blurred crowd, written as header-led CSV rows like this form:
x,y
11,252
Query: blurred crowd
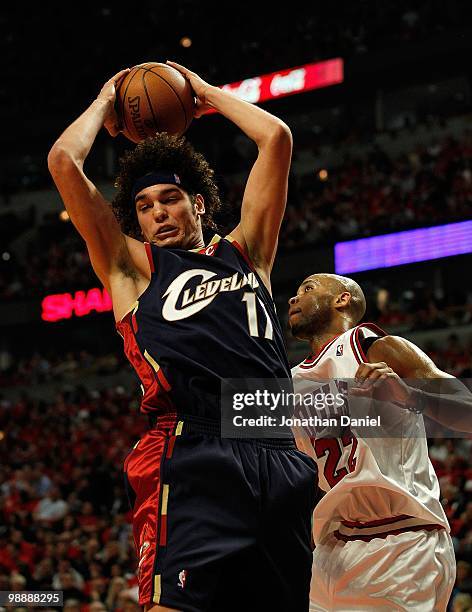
x,y
419,308
64,519
452,460
381,194
362,197
53,366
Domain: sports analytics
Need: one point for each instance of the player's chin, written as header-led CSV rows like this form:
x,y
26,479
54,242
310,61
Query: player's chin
x,y
297,330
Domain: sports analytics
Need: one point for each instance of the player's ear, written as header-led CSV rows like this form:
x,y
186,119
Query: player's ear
x,y
199,204
343,299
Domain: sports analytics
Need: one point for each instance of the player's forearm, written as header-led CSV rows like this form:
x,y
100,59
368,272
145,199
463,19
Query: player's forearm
x,y
259,125
77,140
453,410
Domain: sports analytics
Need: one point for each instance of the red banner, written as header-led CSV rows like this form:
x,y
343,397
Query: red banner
x,y
288,82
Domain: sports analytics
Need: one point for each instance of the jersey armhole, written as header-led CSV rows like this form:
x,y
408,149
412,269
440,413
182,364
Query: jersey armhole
x,y
241,251
360,344
366,343
148,248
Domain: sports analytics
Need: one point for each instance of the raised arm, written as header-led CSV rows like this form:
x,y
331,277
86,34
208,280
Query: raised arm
x,y
265,195
113,255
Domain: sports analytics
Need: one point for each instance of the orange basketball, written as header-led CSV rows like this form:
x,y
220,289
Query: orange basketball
x,y
152,98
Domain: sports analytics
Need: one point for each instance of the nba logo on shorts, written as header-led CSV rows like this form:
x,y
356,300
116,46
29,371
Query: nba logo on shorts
x,y
339,350
182,578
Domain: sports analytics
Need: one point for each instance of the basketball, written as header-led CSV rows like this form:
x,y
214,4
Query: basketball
x,y
154,97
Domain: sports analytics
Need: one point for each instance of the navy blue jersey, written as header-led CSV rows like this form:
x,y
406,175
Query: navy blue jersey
x,y
205,316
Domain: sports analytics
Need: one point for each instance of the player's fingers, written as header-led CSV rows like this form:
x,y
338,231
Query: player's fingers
x,y
116,78
379,364
185,71
378,374
364,369
359,372
381,380
372,376
119,75
362,372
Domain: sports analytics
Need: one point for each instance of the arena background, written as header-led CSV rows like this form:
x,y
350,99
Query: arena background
x,y
388,149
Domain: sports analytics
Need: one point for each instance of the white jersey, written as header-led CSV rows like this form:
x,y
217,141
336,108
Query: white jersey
x,y
374,482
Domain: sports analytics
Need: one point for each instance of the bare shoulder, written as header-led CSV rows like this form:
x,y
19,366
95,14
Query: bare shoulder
x,y
394,347
404,357
387,345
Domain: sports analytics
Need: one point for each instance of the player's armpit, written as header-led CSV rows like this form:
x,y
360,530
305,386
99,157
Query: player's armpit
x,y
138,256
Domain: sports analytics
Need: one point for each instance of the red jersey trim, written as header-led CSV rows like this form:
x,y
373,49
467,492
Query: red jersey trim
x,y
355,340
354,348
377,523
245,256
312,360
148,248
384,534
154,382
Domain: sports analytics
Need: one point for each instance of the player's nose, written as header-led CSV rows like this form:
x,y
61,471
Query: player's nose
x,y
293,300
159,212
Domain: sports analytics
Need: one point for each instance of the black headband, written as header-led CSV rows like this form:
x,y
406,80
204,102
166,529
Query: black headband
x,y
154,178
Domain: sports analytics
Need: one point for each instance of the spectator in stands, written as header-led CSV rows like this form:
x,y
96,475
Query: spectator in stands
x,y
51,508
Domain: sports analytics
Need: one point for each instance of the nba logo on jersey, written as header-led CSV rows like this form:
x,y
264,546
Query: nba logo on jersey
x,y
339,350
182,578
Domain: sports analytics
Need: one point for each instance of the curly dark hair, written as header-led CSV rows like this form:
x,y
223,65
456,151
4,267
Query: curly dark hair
x,y
171,154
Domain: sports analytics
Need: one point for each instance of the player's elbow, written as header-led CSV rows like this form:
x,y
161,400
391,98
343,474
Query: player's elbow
x,y
278,137
281,132
59,159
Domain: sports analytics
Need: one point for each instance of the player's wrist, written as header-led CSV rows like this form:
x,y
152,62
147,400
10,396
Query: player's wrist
x,y
103,105
212,94
415,401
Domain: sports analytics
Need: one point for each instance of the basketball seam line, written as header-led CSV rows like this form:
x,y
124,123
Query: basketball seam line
x,y
177,95
149,100
124,98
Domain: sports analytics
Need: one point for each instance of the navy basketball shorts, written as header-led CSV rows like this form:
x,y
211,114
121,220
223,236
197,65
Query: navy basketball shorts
x,y
221,524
